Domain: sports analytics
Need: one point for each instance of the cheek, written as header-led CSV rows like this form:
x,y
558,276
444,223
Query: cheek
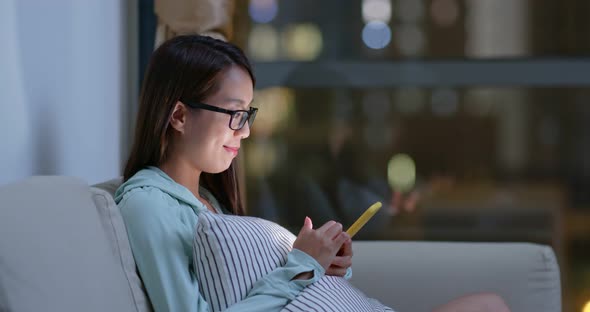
x,y
205,146
212,133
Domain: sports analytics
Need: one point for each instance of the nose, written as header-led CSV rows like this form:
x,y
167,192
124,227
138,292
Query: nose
x,y
245,131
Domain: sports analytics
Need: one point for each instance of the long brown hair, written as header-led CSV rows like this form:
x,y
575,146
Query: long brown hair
x,y
184,67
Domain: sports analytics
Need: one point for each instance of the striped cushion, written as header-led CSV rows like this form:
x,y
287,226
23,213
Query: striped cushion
x,y
231,253
333,293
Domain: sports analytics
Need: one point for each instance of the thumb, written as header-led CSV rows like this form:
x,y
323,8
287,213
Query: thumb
x,y
307,225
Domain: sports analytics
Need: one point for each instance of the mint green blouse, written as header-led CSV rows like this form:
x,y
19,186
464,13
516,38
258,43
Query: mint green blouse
x,y
161,217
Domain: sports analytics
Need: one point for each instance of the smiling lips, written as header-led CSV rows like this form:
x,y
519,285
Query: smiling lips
x,y
233,150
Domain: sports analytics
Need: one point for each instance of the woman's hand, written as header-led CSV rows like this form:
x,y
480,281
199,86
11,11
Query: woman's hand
x,y
322,244
342,261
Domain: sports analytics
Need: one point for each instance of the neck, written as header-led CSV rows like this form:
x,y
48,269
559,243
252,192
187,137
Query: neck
x,y
183,173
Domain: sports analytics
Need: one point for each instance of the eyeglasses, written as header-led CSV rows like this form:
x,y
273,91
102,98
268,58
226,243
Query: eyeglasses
x,y
238,117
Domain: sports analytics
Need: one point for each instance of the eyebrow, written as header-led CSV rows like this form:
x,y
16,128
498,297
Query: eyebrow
x,y
242,103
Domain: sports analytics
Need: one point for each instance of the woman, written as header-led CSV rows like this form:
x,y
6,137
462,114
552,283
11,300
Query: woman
x,y
194,112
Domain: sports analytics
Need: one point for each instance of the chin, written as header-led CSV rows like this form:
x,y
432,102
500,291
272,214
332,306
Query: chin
x,y
219,169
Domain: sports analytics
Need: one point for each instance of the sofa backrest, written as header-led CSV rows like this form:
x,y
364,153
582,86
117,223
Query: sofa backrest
x,y
57,251
116,232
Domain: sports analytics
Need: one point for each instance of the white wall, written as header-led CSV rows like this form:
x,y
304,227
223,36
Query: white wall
x,y
62,88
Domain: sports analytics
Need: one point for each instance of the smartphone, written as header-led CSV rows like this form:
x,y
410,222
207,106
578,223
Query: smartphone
x,y
363,219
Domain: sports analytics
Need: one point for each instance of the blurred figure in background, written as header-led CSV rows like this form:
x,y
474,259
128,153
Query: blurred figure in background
x,y
330,175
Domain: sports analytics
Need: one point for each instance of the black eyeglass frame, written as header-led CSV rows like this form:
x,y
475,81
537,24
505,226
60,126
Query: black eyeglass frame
x,y
251,113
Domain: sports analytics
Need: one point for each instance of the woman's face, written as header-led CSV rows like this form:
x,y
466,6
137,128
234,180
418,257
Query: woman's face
x,y
208,141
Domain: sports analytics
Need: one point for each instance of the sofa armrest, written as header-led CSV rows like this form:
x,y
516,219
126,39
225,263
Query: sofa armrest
x,y
418,276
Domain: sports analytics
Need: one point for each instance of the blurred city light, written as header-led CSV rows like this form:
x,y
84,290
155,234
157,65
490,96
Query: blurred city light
x,y
376,10
444,13
410,39
275,108
302,42
263,44
263,157
410,11
376,35
401,172
263,11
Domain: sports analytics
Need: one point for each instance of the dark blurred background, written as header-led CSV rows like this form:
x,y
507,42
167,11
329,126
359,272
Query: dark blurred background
x,y
469,120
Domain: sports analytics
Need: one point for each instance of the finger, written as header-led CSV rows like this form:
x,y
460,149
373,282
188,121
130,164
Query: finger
x,y
326,226
342,262
336,271
307,225
340,239
346,249
333,230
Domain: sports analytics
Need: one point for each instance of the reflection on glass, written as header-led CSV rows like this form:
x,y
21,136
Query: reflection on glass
x,y
504,166
335,153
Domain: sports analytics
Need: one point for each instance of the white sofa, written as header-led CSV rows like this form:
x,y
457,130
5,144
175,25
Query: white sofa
x,y
63,247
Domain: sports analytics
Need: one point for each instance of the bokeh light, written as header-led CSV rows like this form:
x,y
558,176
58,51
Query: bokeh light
x,y
263,44
376,35
444,13
263,11
586,307
262,157
401,173
410,11
275,106
302,42
376,10
410,39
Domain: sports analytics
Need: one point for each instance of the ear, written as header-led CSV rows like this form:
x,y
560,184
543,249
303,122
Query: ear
x,y
179,117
